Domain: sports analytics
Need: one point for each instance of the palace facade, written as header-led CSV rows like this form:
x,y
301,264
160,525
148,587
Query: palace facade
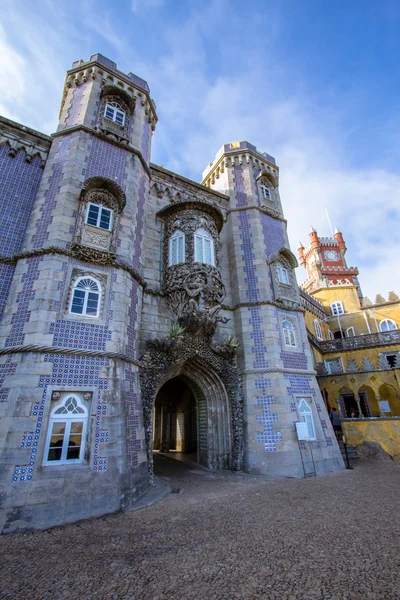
x,y
141,311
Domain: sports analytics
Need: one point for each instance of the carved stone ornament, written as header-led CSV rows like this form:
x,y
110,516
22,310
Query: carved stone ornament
x,y
218,385
87,395
92,255
109,128
56,396
105,192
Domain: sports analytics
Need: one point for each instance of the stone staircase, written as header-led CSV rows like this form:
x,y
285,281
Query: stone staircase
x,y
351,451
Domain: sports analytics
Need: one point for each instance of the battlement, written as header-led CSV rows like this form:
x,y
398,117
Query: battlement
x,y
110,65
239,153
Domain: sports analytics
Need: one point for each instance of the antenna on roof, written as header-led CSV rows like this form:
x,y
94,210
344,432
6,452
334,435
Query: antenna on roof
x,y
329,221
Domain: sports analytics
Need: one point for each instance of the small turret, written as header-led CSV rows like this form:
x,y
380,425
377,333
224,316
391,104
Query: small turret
x,y
300,250
339,238
314,240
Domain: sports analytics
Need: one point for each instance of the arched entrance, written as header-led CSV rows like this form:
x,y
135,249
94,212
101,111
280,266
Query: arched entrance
x,y
176,419
187,377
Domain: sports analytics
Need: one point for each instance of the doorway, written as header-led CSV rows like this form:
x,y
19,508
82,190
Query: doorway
x,y
175,420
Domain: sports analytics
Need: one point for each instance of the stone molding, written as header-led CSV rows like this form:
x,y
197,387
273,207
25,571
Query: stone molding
x,y
235,158
279,370
263,209
70,351
19,137
78,252
110,140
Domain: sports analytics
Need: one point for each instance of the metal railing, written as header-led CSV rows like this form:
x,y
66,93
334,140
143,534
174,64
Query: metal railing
x,y
369,340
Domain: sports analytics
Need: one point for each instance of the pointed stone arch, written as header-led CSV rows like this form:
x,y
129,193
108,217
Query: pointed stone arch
x,y
215,381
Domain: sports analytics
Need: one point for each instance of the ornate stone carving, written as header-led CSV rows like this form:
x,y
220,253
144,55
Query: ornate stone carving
x,y
108,127
96,237
162,360
92,255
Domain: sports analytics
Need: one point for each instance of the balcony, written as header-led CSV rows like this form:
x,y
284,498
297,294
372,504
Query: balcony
x,y
370,340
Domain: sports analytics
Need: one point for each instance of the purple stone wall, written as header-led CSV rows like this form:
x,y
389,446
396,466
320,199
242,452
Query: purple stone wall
x,y
274,237
19,182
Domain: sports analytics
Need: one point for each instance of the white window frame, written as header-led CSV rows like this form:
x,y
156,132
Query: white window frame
x,y
68,419
289,335
389,329
283,275
265,189
330,335
337,308
318,330
202,237
177,239
115,112
101,207
350,332
86,297
307,416
327,362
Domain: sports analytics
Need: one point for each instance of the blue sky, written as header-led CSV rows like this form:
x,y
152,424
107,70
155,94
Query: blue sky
x,y
314,83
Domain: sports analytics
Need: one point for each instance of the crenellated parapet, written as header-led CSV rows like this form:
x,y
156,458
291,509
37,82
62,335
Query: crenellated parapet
x,y
19,137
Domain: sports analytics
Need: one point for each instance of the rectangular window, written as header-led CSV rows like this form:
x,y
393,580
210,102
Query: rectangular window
x,y
78,301
337,308
283,275
99,216
334,366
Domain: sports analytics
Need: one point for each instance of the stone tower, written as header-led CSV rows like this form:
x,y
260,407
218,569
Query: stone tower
x,y
325,262
70,326
275,358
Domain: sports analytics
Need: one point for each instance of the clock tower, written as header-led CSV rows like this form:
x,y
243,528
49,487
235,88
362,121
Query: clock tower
x,y
325,263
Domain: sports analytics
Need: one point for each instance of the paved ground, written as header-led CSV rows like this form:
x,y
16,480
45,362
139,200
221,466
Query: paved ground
x,y
225,537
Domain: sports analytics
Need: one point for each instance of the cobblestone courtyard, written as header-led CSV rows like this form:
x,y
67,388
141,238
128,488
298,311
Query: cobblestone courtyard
x,y
225,537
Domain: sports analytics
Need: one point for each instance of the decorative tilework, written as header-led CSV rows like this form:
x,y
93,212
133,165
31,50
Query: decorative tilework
x,y
133,321
240,188
23,314
60,151
248,258
273,230
80,371
269,437
137,257
73,334
134,445
299,384
259,348
19,183
7,368
107,160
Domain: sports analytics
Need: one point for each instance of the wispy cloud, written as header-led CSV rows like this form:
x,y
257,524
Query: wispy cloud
x,y
215,79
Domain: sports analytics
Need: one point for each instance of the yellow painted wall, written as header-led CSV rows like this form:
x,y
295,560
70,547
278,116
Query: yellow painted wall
x,y
346,294
385,433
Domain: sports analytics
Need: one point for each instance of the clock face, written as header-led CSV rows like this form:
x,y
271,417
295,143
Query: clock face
x,y
331,255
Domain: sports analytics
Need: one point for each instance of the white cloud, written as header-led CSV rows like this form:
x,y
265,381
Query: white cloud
x,y
206,98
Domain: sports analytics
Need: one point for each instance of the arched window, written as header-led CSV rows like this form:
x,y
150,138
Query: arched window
x,y
283,275
318,330
99,216
305,413
85,298
288,333
114,112
176,248
350,332
203,247
67,432
387,325
265,189
330,335
337,308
